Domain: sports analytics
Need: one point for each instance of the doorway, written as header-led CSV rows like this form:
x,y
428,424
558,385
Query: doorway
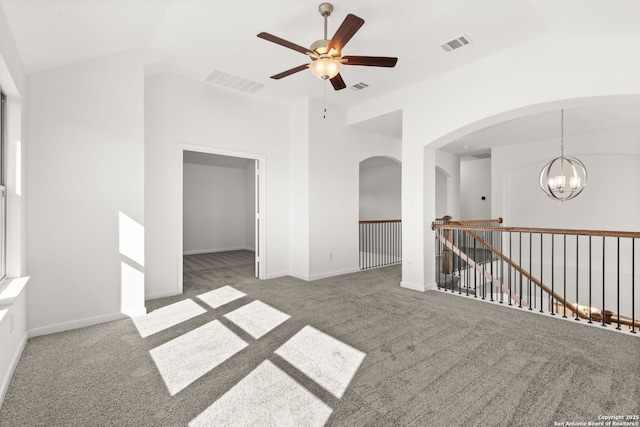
x,y
221,205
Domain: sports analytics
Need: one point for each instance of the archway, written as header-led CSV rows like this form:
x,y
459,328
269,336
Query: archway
x,y
380,226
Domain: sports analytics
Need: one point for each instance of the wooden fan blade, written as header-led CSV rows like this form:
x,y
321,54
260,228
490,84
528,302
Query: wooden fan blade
x,y
285,43
337,82
347,29
291,71
371,61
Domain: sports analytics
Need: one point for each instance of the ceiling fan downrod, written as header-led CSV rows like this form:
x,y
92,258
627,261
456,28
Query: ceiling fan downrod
x,y
325,10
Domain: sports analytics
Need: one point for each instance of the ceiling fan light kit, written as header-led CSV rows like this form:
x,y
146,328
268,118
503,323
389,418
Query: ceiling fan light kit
x,y
326,55
325,67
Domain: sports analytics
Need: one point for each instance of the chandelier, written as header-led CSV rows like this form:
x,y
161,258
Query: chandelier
x,y
563,178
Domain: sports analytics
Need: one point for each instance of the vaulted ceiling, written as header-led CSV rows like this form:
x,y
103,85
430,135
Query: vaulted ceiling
x,y
204,36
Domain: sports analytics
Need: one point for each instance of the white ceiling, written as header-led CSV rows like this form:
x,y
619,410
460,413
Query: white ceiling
x,y
201,36
546,126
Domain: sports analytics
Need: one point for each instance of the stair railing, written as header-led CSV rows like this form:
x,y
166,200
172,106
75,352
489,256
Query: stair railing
x,y
380,243
585,274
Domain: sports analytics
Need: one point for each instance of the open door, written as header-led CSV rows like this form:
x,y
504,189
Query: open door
x,y
257,209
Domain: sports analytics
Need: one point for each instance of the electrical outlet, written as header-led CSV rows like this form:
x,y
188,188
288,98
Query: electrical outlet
x,y
330,256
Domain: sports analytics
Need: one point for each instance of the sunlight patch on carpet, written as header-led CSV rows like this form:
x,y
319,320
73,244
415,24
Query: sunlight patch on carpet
x,y
326,360
257,318
183,360
166,317
221,296
265,397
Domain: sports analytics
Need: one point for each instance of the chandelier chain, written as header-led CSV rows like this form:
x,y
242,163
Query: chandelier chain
x,y
562,133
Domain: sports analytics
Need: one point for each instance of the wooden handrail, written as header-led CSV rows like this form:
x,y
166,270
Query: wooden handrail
x,y
379,221
476,221
567,231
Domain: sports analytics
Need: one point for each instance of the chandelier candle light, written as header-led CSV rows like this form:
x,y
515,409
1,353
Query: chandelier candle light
x,y
563,178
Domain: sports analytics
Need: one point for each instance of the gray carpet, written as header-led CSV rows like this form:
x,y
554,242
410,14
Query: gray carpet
x,y
432,359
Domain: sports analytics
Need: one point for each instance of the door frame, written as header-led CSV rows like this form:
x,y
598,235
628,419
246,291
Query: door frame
x,y
261,242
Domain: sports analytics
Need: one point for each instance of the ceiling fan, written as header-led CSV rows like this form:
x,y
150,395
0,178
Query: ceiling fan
x,y
326,55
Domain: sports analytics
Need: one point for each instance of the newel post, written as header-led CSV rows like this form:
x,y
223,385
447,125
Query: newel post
x,y
447,255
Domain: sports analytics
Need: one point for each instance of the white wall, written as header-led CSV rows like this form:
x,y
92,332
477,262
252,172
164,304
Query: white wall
x,y
13,332
85,174
13,81
609,201
449,164
335,153
214,209
380,188
179,110
299,189
475,183
442,185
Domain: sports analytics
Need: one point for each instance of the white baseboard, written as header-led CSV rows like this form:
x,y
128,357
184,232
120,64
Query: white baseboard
x,y
322,275
135,311
162,294
276,275
299,276
334,273
75,324
431,286
209,251
4,386
413,286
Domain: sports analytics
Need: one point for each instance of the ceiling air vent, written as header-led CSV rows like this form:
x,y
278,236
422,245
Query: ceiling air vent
x,y
359,86
455,43
230,81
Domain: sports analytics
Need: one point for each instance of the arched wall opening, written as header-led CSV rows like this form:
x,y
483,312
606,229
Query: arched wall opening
x,y
380,210
611,156
380,188
515,193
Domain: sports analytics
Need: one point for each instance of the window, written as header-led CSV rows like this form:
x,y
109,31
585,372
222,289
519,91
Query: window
x,y
3,189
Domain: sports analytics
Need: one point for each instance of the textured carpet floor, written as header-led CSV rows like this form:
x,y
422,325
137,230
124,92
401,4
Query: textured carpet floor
x,y
432,359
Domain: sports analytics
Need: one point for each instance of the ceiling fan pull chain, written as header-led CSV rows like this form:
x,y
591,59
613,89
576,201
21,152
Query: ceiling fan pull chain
x,y
324,115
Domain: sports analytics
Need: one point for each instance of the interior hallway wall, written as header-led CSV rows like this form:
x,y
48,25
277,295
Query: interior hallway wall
x,y
180,111
448,167
335,153
475,183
